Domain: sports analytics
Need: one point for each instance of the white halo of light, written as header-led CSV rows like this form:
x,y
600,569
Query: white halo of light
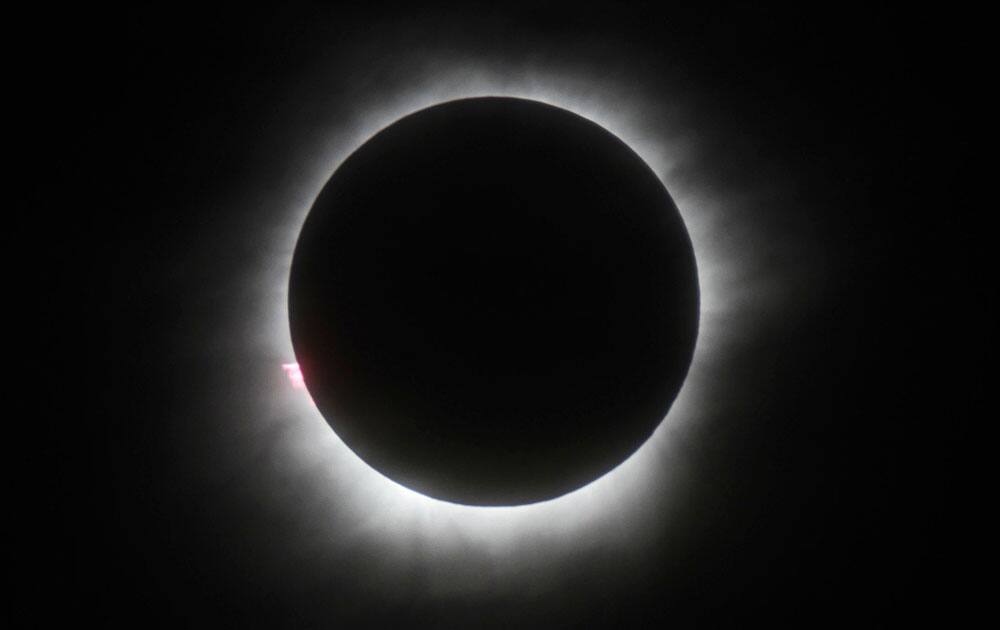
x,y
350,503
621,481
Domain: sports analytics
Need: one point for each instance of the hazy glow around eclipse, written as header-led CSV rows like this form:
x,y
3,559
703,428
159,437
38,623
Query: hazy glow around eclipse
x,y
342,501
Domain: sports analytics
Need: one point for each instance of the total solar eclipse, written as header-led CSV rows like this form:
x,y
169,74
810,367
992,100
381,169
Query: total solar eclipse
x,y
494,301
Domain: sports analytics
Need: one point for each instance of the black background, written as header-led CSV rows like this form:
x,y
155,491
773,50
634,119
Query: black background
x,y
842,496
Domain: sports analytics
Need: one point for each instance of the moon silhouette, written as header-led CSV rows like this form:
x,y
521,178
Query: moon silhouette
x,y
494,301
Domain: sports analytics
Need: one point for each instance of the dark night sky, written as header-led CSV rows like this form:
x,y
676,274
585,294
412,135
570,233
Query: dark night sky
x,y
827,487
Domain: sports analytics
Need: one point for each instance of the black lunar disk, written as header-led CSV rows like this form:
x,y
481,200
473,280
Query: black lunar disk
x,y
494,301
